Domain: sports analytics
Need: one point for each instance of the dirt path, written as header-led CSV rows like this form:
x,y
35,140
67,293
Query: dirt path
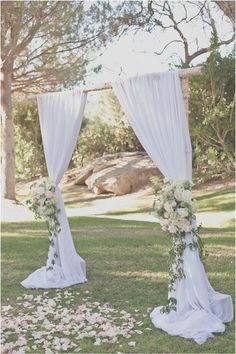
x,y
13,212
80,201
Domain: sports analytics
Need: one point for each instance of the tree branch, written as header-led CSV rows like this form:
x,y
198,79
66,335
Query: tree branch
x,y
167,45
208,49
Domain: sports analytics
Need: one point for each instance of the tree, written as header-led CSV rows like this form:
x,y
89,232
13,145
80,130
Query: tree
x,y
212,109
228,7
174,17
45,45
110,110
30,161
105,131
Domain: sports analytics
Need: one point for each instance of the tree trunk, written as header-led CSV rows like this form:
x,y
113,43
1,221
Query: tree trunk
x,y
8,144
228,7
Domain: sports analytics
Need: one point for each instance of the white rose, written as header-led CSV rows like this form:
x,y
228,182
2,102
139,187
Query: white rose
x,y
166,215
165,222
168,206
48,211
173,229
158,204
187,196
41,210
49,194
178,194
185,226
167,188
183,212
40,190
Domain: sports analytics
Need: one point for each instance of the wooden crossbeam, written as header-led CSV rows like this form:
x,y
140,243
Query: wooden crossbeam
x,y
183,73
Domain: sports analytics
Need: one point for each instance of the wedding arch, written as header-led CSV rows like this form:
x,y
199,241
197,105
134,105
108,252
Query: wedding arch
x,y
154,106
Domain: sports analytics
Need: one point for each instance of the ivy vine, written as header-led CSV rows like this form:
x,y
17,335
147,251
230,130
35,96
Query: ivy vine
x,y
176,269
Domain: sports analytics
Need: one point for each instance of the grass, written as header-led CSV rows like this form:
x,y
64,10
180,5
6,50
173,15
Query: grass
x,y
127,267
223,200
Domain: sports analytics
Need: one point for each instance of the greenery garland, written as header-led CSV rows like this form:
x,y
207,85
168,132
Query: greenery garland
x,y
175,208
43,203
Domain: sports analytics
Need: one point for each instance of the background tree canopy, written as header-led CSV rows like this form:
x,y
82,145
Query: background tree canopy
x,y
50,45
107,130
212,111
46,45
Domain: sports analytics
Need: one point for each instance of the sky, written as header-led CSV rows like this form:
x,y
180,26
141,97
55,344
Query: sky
x,y
133,54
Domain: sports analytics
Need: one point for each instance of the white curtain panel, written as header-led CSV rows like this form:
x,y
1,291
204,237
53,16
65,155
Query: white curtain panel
x,y
155,108
60,116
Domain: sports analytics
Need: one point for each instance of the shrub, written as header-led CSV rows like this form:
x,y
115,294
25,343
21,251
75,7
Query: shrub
x,y
212,117
28,142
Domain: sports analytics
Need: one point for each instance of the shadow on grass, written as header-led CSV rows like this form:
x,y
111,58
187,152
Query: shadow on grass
x,y
126,267
217,201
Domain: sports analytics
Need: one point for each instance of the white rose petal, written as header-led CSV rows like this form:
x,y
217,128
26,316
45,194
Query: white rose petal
x,y
132,344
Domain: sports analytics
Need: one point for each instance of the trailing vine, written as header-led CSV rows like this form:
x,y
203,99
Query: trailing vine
x,y
43,203
176,271
175,208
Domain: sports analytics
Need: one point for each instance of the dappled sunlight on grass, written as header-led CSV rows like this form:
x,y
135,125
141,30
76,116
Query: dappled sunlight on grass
x,y
30,233
222,248
77,196
127,266
217,201
157,276
230,224
219,275
87,202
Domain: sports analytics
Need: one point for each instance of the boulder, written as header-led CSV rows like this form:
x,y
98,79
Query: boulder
x,y
118,174
83,175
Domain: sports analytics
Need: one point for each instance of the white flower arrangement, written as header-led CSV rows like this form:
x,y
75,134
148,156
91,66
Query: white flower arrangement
x,y
175,207
43,203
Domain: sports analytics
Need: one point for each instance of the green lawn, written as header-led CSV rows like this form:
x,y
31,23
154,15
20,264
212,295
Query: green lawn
x,y
222,200
126,267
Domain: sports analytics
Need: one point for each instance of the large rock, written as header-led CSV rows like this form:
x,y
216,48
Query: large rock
x,y
119,173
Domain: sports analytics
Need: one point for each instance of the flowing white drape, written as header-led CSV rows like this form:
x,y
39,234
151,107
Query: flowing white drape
x,y
155,108
60,116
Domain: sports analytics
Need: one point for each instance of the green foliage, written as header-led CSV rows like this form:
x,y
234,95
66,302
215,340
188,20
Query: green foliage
x,y
212,117
55,41
29,150
107,131
96,138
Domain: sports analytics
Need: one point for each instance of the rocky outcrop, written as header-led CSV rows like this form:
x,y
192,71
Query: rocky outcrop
x,y
119,174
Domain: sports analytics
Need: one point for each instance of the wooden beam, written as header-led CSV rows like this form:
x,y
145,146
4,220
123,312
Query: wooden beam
x,y
185,91
183,73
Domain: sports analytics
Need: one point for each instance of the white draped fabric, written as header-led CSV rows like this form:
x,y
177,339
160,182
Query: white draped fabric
x,y
60,116
155,108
